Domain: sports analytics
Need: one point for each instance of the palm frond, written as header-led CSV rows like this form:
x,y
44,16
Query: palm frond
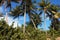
x,y
18,11
49,15
57,15
16,1
40,12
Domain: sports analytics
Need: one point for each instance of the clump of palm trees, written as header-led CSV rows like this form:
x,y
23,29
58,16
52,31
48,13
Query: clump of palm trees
x,y
28,7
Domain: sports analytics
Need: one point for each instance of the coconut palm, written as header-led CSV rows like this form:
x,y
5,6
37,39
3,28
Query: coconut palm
x,y
27,9
7,3
48,9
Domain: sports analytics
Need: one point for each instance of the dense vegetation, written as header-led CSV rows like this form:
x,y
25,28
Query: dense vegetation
x,y
9,33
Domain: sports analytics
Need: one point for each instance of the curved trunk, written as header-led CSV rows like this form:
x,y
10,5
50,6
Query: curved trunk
x,y
29,3
33,23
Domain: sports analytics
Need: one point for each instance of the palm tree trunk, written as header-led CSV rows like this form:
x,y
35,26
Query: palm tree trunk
x,y
24,19
6,17
45,22
33,23
45,25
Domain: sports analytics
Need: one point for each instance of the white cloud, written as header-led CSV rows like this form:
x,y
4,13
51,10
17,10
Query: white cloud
x,y
11,20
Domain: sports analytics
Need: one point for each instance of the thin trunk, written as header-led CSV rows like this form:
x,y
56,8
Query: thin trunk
x,y
33,23
45,25
24,19
45,22
6,17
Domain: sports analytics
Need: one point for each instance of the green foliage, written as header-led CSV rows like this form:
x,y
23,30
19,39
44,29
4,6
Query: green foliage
x,y
9,33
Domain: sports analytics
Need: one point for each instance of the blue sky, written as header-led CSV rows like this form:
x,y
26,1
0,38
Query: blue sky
x,y
21,19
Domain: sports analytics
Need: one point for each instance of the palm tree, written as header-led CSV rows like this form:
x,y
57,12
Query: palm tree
x,y
24,15
20,11
26,8
7,3
32,14
48,9
44,6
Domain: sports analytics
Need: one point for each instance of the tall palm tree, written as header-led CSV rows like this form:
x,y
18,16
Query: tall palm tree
x,y
24,6
31,13
48,9
29,10
20,11
44,6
